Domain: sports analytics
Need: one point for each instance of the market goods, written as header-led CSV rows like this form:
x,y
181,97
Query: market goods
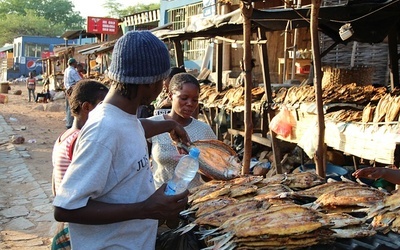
x,y
218,161
295,181
272,217
209,206
350,196
319,190
386,214
290,224
368,113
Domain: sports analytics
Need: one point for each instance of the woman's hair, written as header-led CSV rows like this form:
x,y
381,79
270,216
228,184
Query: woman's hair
x,y
86,91
178,80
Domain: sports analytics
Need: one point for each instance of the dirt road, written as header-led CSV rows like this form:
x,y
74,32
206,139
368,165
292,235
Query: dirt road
x,y
38,126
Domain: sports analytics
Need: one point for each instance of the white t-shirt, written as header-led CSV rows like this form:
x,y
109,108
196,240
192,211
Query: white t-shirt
x,y
164,155
110,164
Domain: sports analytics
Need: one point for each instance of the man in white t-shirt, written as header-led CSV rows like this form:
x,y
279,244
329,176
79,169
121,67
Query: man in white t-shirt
x,y
107,194
71,77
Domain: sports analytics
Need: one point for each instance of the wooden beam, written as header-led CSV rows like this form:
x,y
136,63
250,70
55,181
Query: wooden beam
x,y
247,10
219,51
267,110
178,52
393,58
320,154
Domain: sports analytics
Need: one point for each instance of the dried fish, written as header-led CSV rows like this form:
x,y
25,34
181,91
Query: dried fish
x,y
218,161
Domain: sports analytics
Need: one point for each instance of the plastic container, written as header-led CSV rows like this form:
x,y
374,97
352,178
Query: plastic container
x,y
184,173
332,171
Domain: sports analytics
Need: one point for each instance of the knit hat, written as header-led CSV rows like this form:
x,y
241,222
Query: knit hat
x,y
139,57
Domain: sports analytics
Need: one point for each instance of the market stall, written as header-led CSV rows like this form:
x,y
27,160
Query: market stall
x,y
300,211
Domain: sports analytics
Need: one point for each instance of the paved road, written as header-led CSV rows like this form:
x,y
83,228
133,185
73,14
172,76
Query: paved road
x,y
26,213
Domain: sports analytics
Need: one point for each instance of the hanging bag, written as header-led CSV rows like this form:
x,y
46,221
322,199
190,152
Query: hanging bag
x,y
283,123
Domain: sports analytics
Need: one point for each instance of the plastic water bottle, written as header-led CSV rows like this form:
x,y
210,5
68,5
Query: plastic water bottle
x,y
184,173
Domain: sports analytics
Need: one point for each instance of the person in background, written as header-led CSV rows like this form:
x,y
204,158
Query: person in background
x,y
84,98
107,194
184,91
81,70
71,76
31,86
45,94
389,174
162,105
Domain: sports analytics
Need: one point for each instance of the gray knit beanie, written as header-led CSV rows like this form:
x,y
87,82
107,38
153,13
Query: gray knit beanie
x,y
139,57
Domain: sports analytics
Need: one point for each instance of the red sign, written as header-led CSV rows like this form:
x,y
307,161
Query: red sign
x,y
47,54
102,25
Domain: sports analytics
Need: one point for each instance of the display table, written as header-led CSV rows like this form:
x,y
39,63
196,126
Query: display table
x,y
378,142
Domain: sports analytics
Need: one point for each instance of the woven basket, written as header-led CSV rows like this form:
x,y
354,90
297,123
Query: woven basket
x,y
360,75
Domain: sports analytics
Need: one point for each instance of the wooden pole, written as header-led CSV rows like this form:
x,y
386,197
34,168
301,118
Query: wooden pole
x,y
394,57
321,147
268,92
247,10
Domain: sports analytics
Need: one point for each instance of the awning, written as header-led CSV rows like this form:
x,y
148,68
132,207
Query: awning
x,y
207,27
6,48
74,34
99,48
371,22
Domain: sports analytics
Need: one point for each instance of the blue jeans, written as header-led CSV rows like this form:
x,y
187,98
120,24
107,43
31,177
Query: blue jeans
x,y
69,119
31,91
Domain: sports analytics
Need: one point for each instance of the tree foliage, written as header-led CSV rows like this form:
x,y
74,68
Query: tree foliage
x,y
115,10
37,17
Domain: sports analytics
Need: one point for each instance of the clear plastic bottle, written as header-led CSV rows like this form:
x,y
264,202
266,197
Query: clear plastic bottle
x,y
185,171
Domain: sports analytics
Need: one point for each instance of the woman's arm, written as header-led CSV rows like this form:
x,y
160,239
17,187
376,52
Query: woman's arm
x,y
391,175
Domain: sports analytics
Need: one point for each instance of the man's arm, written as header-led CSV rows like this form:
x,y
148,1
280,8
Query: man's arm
x,y
176,131
157,206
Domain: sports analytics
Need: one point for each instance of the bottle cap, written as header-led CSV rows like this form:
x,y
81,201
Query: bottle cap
x,y
194,152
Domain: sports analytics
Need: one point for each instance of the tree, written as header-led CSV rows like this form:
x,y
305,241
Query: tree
x,y
37,17
114,9
15,25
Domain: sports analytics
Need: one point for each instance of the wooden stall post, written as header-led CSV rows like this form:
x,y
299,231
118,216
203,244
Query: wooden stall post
x,y
320,159
247,10
268,92
178,52
394,57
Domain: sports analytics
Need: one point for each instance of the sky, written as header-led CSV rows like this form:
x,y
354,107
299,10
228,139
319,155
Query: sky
x,y
89,8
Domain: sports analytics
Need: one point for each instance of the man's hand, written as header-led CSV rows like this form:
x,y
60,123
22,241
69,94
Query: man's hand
x,y
162,206
178,135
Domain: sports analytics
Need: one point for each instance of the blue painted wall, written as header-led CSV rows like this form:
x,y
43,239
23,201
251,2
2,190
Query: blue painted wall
x,y
23,64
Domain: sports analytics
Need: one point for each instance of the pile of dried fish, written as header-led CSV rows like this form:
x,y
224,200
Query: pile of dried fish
x,y
386,214
231,97
252,212
332,93
345,115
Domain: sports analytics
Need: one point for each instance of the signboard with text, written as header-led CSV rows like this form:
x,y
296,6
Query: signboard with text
x,y
47,54
102,25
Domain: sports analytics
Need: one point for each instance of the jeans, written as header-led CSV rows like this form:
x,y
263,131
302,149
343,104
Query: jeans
x,y
31,91
69,119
